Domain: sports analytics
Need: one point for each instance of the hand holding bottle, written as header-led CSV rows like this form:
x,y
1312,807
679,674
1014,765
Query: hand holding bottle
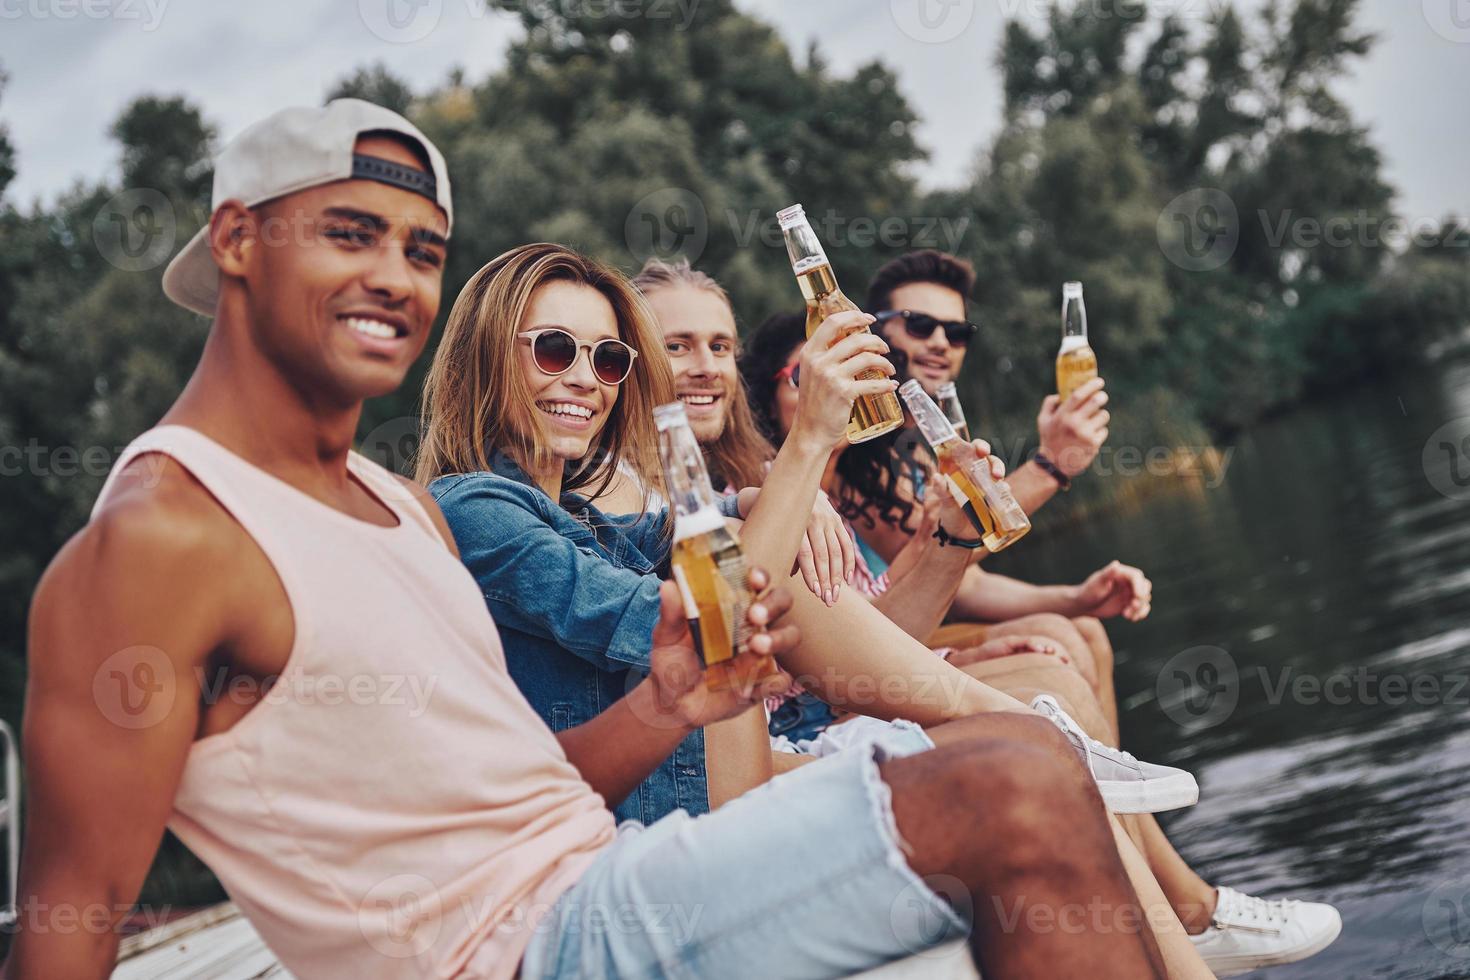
x,y
677,681
836,354
1072,432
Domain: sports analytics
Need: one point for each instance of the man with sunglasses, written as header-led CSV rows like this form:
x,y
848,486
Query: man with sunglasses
x,y
920,302
241,549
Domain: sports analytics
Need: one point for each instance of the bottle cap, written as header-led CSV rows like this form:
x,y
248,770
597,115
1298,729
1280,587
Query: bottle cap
x,y
932,422
668,416
1071,290
791,217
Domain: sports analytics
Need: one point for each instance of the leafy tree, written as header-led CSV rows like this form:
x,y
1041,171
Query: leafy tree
x,y
375,84
167,146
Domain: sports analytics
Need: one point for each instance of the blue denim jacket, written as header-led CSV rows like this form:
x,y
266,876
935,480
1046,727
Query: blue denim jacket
x,y
576,601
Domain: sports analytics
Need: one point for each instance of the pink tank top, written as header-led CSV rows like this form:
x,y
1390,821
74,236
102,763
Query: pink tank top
x,y
393,807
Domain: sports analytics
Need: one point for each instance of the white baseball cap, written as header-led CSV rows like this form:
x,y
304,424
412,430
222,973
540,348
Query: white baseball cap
x,y
289,152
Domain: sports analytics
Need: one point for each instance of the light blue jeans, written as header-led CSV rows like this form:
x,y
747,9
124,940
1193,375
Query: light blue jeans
x,y
802,877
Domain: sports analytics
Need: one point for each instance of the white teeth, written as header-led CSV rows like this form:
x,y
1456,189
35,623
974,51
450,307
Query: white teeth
x,y
566,408
372,328
698,399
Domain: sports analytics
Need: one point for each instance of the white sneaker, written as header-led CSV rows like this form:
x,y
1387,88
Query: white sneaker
x,y
1127,785
1248,933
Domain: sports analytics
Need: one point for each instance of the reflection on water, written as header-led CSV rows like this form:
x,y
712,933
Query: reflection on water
x,y
1335,578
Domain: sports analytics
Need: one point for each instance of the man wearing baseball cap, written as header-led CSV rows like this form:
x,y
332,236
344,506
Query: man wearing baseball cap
x,y
268,644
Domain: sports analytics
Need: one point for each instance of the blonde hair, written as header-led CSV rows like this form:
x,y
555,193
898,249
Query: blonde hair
x,y
477,400
740,455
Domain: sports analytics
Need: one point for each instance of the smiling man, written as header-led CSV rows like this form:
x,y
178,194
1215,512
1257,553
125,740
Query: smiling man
x,y
242,539
369,837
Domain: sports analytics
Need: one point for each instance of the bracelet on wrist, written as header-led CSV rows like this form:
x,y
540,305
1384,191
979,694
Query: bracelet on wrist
x,y
1053,470
946,539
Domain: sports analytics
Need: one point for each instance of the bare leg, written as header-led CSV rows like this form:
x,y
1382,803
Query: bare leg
x,y
1054,627
1192,898
1002,813
1101,648
1181,959
856,659
1026,675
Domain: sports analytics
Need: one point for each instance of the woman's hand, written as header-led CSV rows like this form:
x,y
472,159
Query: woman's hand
x,y
834,356
680,697
827,557
1008,646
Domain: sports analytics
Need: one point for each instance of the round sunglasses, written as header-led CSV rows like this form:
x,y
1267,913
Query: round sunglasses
x,y
921,326
555,351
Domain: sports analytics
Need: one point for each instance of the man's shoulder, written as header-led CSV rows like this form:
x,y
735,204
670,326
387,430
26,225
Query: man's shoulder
x,y
156,540
156,505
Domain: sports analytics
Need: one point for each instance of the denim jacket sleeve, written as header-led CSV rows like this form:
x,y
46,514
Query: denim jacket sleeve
x,y
541,582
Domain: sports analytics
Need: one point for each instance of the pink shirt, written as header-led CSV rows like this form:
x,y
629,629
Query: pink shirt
x,y
393,807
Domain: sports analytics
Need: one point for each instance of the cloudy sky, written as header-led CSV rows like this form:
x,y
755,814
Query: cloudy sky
x,y
75,63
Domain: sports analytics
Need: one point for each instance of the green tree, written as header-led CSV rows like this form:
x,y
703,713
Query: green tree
x,y
375,84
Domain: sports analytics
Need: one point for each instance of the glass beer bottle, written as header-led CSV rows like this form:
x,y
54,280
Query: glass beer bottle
x,y
708,563
948,398
872,415
988,502
1076,362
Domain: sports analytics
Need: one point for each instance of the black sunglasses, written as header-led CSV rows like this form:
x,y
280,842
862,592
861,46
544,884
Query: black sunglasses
x,y
555,351
921,326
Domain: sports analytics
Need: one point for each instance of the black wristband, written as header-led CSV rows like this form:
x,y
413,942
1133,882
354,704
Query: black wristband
x,y
1053,470
945,539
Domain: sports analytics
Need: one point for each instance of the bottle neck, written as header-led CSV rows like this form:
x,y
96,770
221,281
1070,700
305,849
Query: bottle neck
x,y
1074,320
805,250
693,504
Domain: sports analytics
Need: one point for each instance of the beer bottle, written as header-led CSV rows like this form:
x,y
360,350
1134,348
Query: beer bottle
x,y
948,398
988,502
872,415
1076,363
708,562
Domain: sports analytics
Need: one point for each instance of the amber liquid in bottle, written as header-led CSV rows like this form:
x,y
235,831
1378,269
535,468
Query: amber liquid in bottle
x,y
872,415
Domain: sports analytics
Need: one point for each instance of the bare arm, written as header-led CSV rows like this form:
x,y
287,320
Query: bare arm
x,y
986,597
925,578
777,523
112,707
1071,434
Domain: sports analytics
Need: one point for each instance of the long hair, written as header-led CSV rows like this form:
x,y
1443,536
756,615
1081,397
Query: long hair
x,y
740,455
477,399
867,490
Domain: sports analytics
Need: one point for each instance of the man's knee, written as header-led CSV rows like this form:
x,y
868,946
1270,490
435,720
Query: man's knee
x,y
1023,786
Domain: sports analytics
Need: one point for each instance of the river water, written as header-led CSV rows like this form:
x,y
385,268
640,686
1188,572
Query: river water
x,y
1308,658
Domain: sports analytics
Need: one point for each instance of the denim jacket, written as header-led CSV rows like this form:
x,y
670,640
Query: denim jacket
x,y
576,599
